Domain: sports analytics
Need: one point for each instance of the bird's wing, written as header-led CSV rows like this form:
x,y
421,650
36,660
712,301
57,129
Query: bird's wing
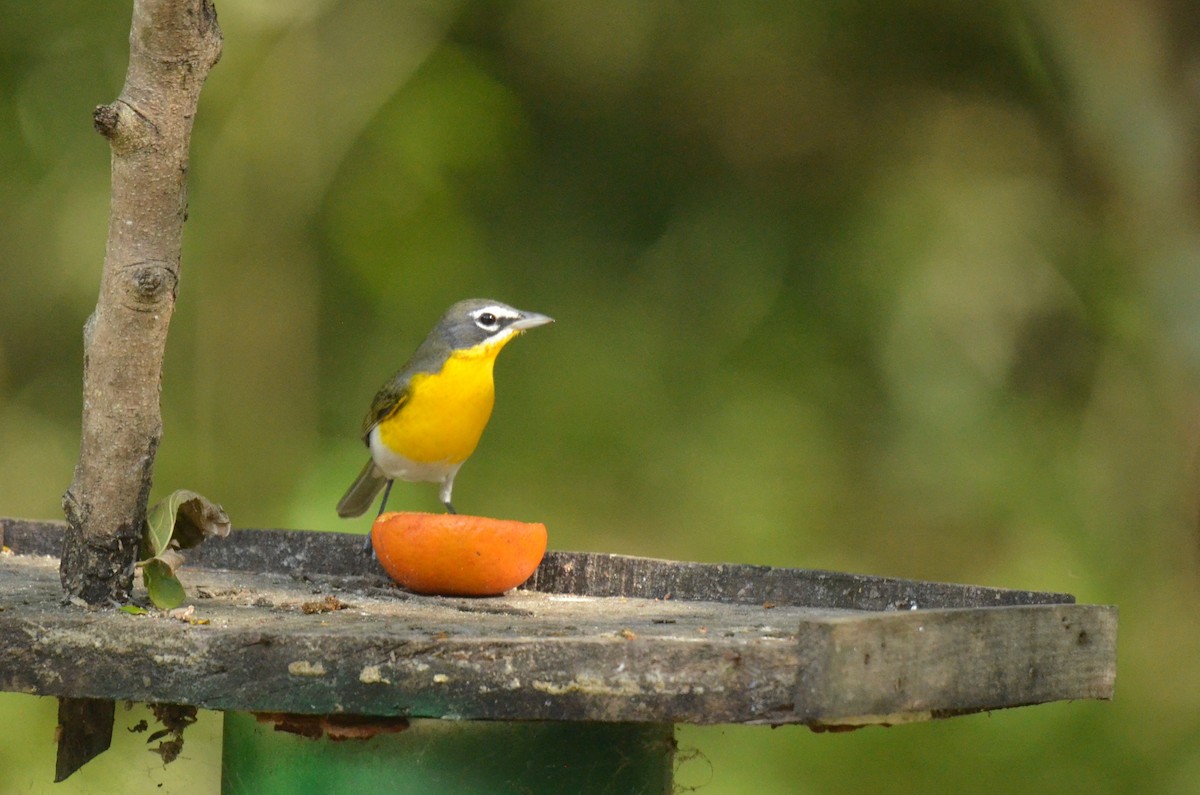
x,y
387,402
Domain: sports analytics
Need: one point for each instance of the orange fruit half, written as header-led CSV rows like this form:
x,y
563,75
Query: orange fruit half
x,y
457,555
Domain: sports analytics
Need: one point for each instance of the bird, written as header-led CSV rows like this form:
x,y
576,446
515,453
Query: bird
x,y
428,418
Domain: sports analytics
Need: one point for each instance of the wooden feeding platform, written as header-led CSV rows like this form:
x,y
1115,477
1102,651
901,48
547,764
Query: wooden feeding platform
x,y
304,623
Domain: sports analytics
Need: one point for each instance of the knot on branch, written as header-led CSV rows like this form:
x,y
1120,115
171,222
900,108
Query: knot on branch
x,y
148,284
104,119
126,128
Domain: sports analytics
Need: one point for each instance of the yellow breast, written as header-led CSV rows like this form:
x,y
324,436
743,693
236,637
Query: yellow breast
x,y
446,412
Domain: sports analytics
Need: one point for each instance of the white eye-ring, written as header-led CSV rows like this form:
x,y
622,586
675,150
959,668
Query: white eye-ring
x,y
494,318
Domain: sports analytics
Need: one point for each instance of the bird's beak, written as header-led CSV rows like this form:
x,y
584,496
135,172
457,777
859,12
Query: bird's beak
x,y
530,320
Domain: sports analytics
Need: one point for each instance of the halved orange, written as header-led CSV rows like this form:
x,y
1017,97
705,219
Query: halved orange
x,y
455,554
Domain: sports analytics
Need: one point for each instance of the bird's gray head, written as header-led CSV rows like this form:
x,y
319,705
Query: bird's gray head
x,y
479,321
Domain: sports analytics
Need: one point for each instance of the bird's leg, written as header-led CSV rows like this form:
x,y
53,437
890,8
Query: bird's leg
x,y
447,487
383,503
387,489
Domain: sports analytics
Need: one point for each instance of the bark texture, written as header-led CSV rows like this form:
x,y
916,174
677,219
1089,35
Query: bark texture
x,y
172,46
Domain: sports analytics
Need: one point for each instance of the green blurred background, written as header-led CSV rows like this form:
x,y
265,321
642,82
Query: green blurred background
x,y
906,288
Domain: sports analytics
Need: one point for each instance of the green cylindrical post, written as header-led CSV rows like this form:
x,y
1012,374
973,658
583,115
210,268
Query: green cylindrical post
x,y
463,757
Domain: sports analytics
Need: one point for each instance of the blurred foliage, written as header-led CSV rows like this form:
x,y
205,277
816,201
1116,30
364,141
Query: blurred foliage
x,y
904,288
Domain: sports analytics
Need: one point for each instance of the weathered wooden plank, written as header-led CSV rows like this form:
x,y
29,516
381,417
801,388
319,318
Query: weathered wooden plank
x,y
647,578
527,655
889,668
273,643
591,574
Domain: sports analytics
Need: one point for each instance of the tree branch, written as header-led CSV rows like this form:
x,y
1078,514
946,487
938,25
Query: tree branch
x,y
172,46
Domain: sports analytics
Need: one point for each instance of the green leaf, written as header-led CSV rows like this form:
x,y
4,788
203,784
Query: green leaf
x,y
180,521
164,588
134,610
160,523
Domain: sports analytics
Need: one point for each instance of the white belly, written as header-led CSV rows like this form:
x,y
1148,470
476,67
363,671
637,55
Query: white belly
x,y
401,468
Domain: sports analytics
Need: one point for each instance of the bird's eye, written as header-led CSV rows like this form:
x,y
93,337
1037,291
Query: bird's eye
x,y
487,319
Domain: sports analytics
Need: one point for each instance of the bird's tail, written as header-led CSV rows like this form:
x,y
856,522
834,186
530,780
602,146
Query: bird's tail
x,y
362,492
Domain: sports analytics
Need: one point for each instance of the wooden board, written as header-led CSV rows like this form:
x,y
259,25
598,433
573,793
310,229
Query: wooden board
x,y
596,637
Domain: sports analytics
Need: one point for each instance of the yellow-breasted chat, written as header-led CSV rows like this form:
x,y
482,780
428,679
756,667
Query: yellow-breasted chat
x,y
426,421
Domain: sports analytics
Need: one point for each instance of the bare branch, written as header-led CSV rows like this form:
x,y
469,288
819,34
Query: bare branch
x,y
172,46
